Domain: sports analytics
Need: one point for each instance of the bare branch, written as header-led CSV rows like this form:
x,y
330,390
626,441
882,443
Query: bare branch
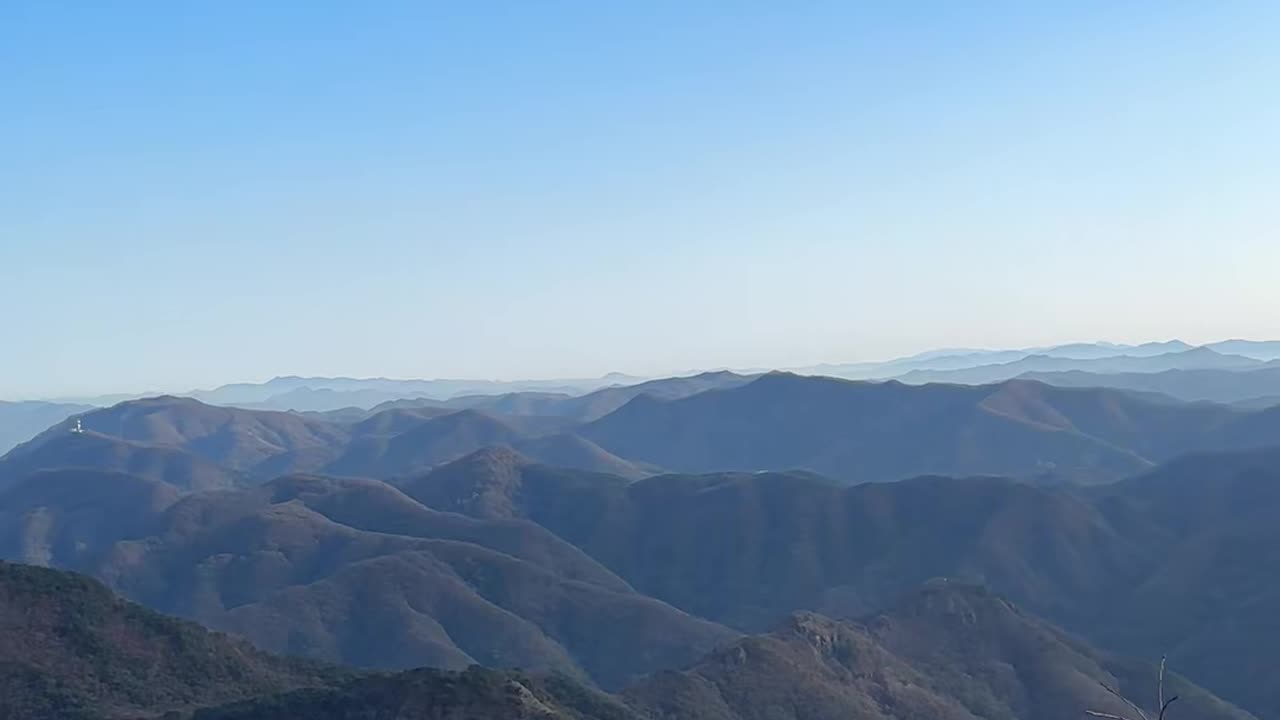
x,y
1165,706
1108,716
1124,699
1160,693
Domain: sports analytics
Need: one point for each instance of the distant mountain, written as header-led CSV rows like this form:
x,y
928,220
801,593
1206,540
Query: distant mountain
x,y
1256,387
1194,359
948,652
195,446
88,450
236,439
569,450
330,393
602,402
1261,403
423,445
582,408
1257,349
71,650
850,431
21,421
964,359
886,431
403,442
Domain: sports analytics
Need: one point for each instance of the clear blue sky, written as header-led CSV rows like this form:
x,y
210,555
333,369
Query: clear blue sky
x,y
200,192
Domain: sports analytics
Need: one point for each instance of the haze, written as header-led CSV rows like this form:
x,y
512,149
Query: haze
x,y
196,195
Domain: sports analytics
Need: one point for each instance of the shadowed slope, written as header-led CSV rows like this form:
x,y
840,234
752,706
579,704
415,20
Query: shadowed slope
x,y
70,649
947,652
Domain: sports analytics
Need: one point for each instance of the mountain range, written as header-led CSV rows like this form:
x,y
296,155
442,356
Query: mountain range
x,y
75,651
502,561
1171,561
850,431
21,421
661,550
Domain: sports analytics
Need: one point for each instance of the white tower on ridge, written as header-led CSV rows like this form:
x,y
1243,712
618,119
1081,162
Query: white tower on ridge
x,y
77,428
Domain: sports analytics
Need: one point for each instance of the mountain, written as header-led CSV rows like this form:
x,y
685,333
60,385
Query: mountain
x,y
499,483
1208,596
331,393
947,652
1193,359
602,402
596,404
21,421
353,571
1177,560
1092,351
73,650
63,517
70,649
964,359
569,450
859,432
847,430
195,446
1222,386
423,445
476,694
88,450
1268,350
235,439
1261,403
745,549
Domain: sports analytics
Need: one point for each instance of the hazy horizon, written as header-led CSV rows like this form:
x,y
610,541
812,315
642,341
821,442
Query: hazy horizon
x,y
111,391
199,195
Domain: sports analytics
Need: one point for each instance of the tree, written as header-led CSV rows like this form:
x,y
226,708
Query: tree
x,y
1160,701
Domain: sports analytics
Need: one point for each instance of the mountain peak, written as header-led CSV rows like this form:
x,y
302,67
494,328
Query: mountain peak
x,y
482,484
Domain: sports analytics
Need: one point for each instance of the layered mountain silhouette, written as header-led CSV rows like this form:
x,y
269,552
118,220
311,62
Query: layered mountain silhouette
x,y
21,421
1201,358
1173,561
1258,386
608,548
353,571
994,365
855,431
850,431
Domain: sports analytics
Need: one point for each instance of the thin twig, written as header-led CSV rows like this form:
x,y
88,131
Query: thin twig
x,y
1108,716
1166,706
1160,693
1124,699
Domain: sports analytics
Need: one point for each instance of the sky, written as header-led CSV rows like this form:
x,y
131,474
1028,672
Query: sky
x,y
196,193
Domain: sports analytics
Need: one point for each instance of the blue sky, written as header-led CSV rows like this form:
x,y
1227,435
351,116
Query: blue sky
x,y
197,193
